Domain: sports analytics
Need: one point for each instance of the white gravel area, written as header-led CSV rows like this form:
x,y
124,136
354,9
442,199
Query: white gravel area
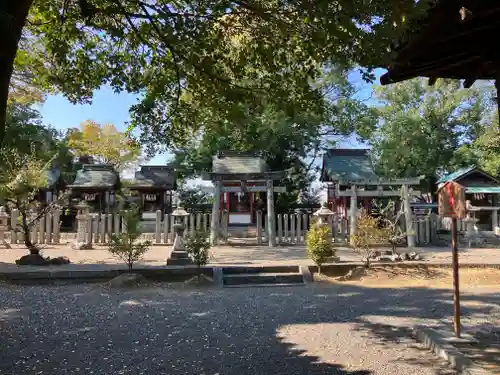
x,y
165,329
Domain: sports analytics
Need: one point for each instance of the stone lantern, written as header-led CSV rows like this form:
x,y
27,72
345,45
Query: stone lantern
x,y
179,255
82,219
324,214
4,226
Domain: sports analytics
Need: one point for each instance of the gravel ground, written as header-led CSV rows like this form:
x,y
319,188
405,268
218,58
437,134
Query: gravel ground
x,y
164,329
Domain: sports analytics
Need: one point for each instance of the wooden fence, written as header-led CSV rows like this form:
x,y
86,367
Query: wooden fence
x,y
290,228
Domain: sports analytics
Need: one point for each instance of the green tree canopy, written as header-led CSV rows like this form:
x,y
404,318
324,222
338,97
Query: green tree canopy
x,y
486,148
213,51
425,130
27,135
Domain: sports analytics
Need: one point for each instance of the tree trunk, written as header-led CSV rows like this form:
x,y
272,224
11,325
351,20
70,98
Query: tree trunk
x,y
26,234
13,15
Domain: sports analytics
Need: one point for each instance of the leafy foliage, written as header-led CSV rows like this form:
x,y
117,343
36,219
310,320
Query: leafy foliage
x,y
424,129
22,177
215,52
319,244
197,245
486,148
125,245
311,196
26,134
369,233
191,196
105,143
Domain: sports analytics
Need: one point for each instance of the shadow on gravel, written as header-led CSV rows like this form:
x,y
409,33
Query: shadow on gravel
x,y
158,330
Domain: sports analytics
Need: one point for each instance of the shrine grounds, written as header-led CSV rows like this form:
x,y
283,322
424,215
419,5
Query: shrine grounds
x,y
100,258
327,327
354,328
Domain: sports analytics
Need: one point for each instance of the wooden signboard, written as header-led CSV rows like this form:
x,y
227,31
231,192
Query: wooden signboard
x,y
451,201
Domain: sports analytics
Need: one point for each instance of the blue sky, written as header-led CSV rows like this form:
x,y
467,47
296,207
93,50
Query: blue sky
x,y
108,107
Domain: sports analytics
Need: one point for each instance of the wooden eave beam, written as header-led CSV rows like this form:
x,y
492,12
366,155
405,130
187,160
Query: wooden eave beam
x,y
435,70
449,29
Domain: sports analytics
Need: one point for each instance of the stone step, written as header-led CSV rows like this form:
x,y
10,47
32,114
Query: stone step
x,y
263,279
260,270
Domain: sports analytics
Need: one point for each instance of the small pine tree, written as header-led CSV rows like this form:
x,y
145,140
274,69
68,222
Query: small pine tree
x,y
319,244
197,245
125,245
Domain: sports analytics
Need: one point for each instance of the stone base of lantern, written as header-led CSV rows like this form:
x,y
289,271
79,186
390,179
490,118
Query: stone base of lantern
x,y
179,258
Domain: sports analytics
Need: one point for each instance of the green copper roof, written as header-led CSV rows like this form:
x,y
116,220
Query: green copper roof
x,y
229,162
456,175
482,189
347,164
160,176
96,176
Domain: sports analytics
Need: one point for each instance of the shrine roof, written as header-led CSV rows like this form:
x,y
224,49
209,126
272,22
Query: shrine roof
x,y
467,171
155,176
96,176
347,165
53,176
233,162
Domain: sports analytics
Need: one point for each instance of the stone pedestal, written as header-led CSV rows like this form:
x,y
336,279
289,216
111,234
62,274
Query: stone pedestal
x,y
81,242
179,256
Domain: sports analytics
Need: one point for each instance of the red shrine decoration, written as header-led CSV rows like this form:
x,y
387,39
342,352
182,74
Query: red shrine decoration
x,y
451,200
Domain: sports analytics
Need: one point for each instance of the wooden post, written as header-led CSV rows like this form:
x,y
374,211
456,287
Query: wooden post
x,y
214,225
270,213
410,233
353,211
456,284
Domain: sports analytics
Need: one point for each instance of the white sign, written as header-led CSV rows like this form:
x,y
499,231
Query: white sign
x,y
90,196
150,197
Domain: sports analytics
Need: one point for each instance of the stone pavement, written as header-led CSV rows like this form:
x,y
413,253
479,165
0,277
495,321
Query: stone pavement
x,y
100,258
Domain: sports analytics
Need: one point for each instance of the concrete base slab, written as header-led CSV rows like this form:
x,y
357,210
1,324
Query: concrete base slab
x,y
439,342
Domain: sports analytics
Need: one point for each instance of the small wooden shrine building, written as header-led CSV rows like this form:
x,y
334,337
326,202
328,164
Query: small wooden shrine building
x,y
352,184
155,185
96,184
481,191
243,184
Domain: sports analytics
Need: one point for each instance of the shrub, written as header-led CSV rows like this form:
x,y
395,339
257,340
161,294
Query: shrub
x,y
368,234
125,245
319,244
197,245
